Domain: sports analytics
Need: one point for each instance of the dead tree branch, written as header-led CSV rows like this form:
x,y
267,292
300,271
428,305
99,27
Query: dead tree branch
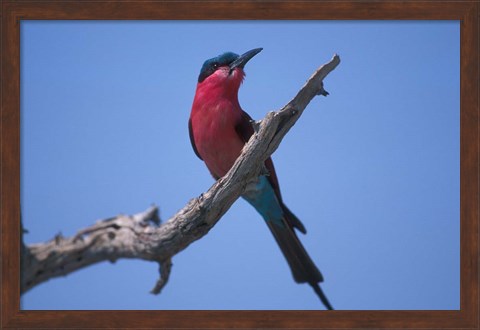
x,y
141,236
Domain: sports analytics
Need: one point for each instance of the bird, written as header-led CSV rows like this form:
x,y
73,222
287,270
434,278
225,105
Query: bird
x,y
218,129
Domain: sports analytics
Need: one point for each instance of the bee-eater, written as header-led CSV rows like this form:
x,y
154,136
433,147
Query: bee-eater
x,y
219,129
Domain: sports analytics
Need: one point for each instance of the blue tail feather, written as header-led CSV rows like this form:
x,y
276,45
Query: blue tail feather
x,y
262,197
281,222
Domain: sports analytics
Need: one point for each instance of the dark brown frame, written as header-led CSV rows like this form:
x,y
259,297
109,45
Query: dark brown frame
x,y
12,12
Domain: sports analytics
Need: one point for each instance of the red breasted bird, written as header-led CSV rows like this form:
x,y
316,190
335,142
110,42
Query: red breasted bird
x,y
219,128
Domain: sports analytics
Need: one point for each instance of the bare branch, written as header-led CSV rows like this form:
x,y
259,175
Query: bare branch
x,y
141,236
165,268
107,240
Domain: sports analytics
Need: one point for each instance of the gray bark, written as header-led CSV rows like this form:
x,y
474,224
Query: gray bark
x,y
142,236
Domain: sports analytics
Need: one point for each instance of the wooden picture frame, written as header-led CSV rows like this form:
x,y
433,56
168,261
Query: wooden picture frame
x,y
12,12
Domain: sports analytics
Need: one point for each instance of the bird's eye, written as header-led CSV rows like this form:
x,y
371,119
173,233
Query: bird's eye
x,y
215,65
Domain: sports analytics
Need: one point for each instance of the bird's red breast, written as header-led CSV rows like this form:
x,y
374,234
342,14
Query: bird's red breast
x,y
215,114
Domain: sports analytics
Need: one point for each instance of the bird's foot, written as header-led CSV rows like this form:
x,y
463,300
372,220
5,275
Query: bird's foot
x,y
256,125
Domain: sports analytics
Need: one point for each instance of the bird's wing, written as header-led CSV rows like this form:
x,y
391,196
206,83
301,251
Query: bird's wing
x,y
245,130
192,140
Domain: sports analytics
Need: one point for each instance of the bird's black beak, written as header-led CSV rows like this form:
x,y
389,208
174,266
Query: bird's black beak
x,y
244,58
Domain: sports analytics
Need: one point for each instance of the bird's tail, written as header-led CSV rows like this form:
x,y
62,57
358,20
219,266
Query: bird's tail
x,y
318,290
302,267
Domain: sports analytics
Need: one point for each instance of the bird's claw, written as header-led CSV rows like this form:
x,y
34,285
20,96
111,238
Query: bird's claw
x,y
256,125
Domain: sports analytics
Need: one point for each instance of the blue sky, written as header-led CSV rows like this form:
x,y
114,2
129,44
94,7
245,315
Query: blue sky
x,y
372,170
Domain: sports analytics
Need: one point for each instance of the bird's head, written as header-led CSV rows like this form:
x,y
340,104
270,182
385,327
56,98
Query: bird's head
x,y
226,69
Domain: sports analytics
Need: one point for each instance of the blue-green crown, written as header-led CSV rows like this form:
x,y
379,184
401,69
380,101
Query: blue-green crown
x,y
211,65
